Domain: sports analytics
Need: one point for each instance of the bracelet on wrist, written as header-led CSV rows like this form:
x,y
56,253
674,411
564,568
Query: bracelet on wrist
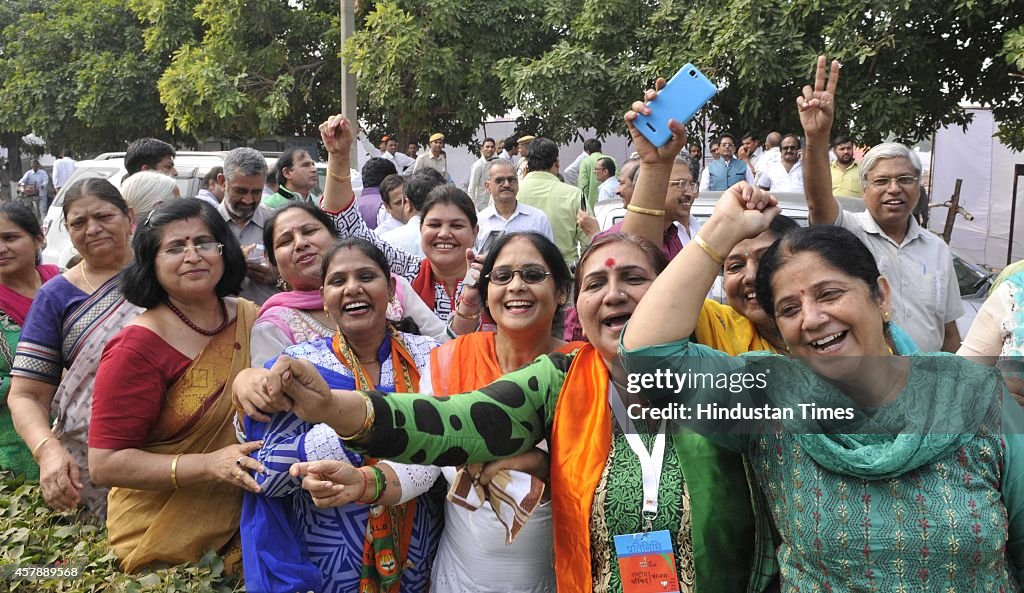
x,y
708,249
647,211
339,178
367,422
39,445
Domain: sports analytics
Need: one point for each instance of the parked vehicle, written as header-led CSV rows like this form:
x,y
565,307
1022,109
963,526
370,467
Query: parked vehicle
x,y
191,167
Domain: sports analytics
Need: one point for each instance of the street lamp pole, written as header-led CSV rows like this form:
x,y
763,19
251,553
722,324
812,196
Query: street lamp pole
x,y
348,80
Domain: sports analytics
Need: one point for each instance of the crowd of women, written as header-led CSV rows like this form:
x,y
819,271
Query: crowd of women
x,y
312,441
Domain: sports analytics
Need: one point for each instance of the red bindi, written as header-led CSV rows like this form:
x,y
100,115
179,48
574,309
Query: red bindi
x,y
610,262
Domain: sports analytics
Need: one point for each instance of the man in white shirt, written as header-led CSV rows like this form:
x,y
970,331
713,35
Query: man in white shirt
x,y
507,214
788,174
390,152
604,170
212,191
750,150
33,185
475,188
62,170
396,210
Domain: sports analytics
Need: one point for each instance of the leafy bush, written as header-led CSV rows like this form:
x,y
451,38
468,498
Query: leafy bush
x,y
33,534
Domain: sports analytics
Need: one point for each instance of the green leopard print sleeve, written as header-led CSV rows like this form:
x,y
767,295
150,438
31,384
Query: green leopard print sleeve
x,y
503,419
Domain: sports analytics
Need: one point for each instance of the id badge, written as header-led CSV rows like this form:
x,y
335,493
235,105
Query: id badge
x,y
646,562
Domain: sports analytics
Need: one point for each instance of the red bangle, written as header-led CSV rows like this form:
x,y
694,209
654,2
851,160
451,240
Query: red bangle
x,y
366,484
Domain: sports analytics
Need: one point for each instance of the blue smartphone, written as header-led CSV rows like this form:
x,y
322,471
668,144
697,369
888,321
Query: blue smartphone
x,y
684,94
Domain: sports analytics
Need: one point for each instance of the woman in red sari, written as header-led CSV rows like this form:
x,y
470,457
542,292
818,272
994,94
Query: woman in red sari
x,y
161,433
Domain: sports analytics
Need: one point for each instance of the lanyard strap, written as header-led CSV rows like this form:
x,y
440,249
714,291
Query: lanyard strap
x,y
651,462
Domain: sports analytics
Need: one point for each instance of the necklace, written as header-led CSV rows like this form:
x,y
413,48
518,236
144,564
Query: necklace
x,y
85,277
374,361
196,328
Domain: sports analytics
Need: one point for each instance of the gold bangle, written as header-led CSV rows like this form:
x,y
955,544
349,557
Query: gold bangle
x,y
714,255
647,211
174,470
339,178
367,422
35,450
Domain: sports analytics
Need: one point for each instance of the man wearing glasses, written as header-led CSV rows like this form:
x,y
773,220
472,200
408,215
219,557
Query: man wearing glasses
x,y
916,262
507,214
680,227
726,170
786,175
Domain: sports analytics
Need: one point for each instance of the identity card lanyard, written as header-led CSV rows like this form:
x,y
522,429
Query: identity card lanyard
x,y
651,461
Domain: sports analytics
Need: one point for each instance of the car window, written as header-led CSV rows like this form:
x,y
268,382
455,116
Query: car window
x,y
972,279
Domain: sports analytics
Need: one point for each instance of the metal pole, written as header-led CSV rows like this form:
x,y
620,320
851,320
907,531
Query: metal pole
x,y
348,80
1018,171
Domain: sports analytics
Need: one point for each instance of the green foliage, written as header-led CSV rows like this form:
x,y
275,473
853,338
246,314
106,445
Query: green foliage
x,y
258,67
906,65
76,73
425,67
1011,128
31,533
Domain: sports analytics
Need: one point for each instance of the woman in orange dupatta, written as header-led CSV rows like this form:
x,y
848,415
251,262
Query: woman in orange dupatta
x,y
161,433
524,281
362,546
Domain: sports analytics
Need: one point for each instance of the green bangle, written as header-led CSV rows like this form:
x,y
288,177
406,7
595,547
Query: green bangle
x,y
380,484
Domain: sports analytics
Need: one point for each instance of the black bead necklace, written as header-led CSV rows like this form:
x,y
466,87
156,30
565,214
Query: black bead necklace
x,y
196,328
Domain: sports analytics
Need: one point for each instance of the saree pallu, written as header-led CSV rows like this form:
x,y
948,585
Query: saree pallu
x,y
177,526
89,328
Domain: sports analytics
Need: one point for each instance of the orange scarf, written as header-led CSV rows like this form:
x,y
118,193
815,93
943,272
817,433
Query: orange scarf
x,y
470,362
389,530
581,439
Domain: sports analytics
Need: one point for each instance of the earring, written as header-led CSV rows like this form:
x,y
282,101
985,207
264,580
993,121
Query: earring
x,y
562,301
886,315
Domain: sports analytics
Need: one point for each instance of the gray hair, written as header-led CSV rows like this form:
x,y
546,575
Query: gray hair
x,y
245,162
683,158
636,170
146,190
491,164
885,151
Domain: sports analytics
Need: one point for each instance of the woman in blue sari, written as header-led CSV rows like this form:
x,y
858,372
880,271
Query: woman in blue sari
x,y
71,319
330,549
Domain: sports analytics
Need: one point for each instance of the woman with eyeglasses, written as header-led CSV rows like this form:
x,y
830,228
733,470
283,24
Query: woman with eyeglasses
x,y
524,281
597,478
71,319
161,433
362,545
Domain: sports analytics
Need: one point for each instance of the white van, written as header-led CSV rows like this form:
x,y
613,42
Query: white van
x,y
191,167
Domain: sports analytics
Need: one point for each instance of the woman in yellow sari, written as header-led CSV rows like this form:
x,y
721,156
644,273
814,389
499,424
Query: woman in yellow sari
x,y
161,432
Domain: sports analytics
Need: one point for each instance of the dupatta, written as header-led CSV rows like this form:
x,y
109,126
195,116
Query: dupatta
x,y
177,526
16,305
103,314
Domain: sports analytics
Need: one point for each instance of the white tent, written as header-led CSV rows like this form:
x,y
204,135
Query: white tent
x,y
987,168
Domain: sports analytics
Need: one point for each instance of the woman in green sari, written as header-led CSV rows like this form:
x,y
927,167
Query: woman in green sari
x,y
21,239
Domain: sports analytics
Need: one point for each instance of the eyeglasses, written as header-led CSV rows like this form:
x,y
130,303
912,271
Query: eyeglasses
x,y
529,274
885,182
685,184
503,180
786,148
202,249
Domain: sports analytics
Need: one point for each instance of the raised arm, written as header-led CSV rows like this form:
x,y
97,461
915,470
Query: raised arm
x,y
678,293
336,134
655,170
817,111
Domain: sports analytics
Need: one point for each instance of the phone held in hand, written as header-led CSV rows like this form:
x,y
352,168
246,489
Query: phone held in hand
x,y
472,278
489,240
256,254
682,96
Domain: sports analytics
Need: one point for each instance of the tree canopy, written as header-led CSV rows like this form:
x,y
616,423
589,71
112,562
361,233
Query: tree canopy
x,y
93,74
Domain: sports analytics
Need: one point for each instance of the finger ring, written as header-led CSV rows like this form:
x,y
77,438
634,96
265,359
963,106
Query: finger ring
x,y
238,474
238,461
